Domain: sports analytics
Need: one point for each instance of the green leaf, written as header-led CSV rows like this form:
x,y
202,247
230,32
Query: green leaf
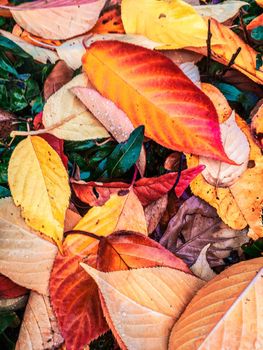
x,y
4,192
9,45
6,65
257,33
259,62
124,156
254,250
8,319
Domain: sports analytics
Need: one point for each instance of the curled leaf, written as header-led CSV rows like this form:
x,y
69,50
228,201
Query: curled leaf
x,y
201,267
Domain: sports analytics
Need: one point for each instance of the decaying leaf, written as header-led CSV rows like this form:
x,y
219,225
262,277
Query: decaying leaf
x,y
73,120
110,21
38,53
222,11
7,125
175,24
154,212
240,204
169,114
123,211
39,329
141,305
201,267
57,19
237,148
60,75
25,258
39,184
227,310
195,225
111,117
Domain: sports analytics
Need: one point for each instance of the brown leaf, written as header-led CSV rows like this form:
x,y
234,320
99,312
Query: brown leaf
x,y
6,123
39,329
154,212
60,75
226,313
194,226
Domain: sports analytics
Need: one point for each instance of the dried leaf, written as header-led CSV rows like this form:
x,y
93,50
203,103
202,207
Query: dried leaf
x,y
257,123
25,258
60,75
39,184
240,204
222,11
175,107
6,123
195,225
9,289
13,304
57,19
111,117
38,53
175,24
201,268
227,310
154,212
141,305
109,22
237,148
123,211
245,62
70,118
39,329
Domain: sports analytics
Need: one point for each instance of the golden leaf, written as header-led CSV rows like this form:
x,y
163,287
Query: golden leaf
x,y
39,184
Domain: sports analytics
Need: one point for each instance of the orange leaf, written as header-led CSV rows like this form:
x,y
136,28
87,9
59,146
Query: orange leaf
x,y
157,94
109,22
257,123
245,62
226,313
259,2
256,22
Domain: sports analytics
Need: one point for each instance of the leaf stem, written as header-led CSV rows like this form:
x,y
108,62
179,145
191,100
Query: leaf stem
x,y
41,131
208,42
85,233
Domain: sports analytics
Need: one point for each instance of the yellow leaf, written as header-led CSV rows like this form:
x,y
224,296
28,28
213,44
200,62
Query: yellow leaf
x,y
259,2
120,212
240,204
70,118
174,23
226,313
25,257
39,184
141,305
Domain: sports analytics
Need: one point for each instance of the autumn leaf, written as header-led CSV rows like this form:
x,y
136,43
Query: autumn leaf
x,y
201,267
259,2
154,212
122,250
67,118
109,22
245,61
123,211
197,224
240,204
39,184
148,103
175,24
141,305
221,309
25,258
60,75
9,289
38,53
147,190
257,123
57,19
39,329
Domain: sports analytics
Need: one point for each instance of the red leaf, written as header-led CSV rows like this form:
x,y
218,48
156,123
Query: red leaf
x,y
9,289
147,190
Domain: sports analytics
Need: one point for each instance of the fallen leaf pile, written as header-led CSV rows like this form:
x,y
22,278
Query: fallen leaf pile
x,y
131,175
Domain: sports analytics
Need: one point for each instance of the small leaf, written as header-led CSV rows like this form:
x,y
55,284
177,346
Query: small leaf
x,y
201,268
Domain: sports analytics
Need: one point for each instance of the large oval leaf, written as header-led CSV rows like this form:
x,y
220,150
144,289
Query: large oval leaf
x,y
39,184
57,19
226,313
175,112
